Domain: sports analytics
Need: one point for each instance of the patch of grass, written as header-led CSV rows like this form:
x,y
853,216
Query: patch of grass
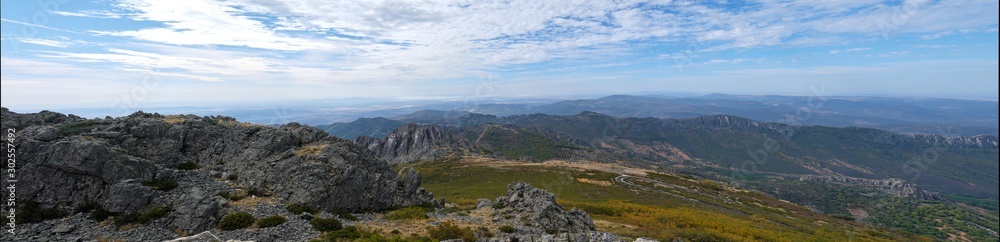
x,y
230,196
161,184
325,224
448,230
144,217
710,184
344,214
297,208
30,212
97,213
412,212
352,233
258,192
692,209
187,166
235,221
310,150
507,229
80,127
271,221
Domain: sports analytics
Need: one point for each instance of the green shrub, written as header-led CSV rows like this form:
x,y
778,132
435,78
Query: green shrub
x,y
232,177
100,214
344,214
498,205
236,221
507,229
97,213
187,166
161,184
271,221
230,196
80,127
711,185
297,208
325,224
412,212
447,230
144,217
349,232
30,212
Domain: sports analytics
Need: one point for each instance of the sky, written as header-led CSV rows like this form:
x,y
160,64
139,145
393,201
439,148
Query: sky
x,y
62,53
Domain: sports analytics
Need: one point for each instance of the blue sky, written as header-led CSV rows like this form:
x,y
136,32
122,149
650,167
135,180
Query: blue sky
x,y
60,53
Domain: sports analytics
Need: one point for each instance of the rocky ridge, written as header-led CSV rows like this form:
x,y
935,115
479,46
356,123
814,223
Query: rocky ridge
x,y
894,186
131,164
415,142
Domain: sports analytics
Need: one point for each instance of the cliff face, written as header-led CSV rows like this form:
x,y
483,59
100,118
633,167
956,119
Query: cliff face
x,y
894,186
65,162
414,142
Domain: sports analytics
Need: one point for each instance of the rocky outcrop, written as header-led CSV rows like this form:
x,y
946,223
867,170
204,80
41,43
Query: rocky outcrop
x,y
534,211
894,186
120,164
415,142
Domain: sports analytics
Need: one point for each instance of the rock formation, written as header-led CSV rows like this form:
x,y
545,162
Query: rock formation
x,y
415,142
538,208
130,164
894,186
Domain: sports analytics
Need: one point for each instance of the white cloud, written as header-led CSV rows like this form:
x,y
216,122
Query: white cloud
x,y
46,42
394,44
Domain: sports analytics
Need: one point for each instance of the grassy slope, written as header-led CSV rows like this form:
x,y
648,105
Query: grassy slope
x,y
713,214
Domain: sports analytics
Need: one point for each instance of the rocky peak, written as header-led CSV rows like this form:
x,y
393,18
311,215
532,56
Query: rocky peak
x,y
415,142
539,209
116,163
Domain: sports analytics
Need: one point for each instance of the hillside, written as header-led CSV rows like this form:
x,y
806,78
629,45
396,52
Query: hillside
x,y
152,177
643,203
957,174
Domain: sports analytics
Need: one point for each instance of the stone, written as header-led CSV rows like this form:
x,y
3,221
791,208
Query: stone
x,y
538,208
483,203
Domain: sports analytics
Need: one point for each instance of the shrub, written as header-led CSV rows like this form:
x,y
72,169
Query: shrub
x,y
297,208
711,185
498,205
236,221
161,184
232,177
80,127
144,217
258,192
325,224
447,230
411,212
30,212
349,232
97,213
507,229
187,166
271,221
230,196
100,214
344,214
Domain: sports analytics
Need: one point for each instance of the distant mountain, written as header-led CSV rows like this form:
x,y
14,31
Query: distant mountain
x,y
857,173
725,144
375,127
945,117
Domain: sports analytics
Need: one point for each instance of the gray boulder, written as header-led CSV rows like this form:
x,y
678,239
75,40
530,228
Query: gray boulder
x,y
539,209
